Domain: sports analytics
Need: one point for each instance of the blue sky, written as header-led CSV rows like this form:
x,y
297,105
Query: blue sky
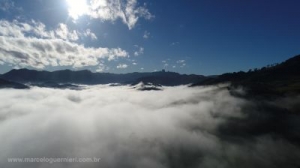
x,y
119,36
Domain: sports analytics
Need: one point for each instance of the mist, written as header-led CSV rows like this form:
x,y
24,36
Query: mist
x,y
180,126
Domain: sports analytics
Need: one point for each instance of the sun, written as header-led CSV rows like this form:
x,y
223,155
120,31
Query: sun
x,y
77,8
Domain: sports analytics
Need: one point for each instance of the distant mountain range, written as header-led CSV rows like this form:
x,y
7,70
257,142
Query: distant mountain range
x,y
59,79
278,79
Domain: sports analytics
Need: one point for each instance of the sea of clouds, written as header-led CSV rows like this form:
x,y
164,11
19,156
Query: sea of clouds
x,y
184,127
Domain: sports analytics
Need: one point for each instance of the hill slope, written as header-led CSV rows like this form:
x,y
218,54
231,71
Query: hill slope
x,y
9,84
283,78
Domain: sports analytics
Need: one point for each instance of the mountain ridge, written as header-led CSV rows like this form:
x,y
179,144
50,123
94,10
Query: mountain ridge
x,y
277,79
10,84
88,77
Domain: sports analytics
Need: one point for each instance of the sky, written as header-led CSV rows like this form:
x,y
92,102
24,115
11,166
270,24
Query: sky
x,y
121,36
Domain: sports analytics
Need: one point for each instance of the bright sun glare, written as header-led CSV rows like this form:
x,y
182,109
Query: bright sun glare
x,y
77,8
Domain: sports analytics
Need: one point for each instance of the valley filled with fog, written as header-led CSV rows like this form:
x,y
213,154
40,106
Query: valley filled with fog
x,y
178,126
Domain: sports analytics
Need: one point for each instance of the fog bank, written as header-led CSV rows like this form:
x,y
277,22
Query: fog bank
x,y
177,127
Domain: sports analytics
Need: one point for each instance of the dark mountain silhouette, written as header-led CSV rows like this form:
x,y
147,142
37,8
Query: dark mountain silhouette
x,y
88,77
9,84
169,79
50,84
278,79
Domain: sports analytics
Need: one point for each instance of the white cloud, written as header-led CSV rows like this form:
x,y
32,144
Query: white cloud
x,y
64,33
101,67
134,63
111,10
165,63
122,66
190,127
22,29
140,51
180,61
146,35
89,33
38,30
30,44
39,53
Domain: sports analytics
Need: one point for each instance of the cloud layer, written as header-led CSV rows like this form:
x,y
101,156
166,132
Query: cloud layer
x,y
176,127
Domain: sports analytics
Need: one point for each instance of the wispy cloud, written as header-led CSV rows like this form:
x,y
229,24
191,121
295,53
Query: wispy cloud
x,y
89,33
111,10
101,67
9,6
146,35
182,63
140,51
122,66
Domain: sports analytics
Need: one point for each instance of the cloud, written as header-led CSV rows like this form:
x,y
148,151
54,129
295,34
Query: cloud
x,y
111,10
31,45
101,67
20,29
39,53
140,51
36,29
89,33
9,6
6,5
146,35
64,33
176,127
182,63
122,66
